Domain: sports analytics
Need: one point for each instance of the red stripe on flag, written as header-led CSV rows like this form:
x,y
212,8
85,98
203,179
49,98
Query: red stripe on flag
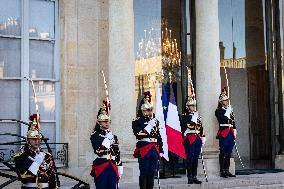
x,y
175,142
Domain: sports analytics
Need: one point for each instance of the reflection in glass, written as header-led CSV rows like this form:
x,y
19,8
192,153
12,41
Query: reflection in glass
x,y
10,103
41,59
171,55
46,99
147,46
157,45
10,57
42,16
228,35
10,17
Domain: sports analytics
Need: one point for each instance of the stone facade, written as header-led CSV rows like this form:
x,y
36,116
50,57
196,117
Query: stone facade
x,y
95,36
98,35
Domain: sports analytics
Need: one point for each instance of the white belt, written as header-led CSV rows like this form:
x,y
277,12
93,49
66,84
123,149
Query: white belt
x,y
188,131
148,140
34,185
226,125
108,157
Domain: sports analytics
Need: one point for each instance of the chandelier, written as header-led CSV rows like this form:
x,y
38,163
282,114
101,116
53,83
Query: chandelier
x,y
158,55
171,55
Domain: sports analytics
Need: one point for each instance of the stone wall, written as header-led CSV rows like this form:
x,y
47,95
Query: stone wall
x,y
95,35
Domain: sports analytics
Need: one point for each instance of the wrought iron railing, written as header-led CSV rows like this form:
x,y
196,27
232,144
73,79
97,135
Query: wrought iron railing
x,y
59,152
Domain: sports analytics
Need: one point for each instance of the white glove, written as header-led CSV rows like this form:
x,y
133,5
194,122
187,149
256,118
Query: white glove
x,y
161,154
120,170
150,125
106,143
228,112
235,132
153,122
39,158
203,139
109,135
194,117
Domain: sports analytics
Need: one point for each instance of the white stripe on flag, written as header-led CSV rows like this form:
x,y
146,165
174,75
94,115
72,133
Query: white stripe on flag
x,y
160,117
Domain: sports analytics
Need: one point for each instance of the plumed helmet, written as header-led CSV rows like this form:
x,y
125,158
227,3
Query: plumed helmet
x,y
34,134
33,131
147,96
190,101
103,114
146,106
223,96
34,118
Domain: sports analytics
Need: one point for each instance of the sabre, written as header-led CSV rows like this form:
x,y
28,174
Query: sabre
x,y
158,174
38,124
203,166
36,101
106,91
236,147
202,158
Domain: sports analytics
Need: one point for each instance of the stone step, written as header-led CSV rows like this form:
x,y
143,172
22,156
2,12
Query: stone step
x,y
228,183
273,186
258,181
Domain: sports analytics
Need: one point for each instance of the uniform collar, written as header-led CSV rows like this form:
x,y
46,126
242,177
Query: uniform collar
x,y
103,131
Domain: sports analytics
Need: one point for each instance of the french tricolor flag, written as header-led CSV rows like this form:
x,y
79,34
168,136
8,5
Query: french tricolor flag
x,y
160,116
173,129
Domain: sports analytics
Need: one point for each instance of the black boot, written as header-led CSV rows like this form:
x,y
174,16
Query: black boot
x,y
228,157
194,172
143,182
150,182
189,173
222,165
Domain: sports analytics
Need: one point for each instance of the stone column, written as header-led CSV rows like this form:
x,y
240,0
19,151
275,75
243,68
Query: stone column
x,y
80,100
279,160
208,80
122,79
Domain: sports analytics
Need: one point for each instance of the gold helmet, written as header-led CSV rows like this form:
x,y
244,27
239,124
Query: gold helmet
x,y
223,96
103,114
146,106
190,101
33,134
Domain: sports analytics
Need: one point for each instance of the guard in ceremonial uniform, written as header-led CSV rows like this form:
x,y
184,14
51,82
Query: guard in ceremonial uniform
x,y
148,146
107,167
194,138
147,97
226,134
35,167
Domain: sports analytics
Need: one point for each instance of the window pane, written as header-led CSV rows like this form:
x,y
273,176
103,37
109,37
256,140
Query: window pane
x,y
10,103
10,17
41,19
48,131
41,59
7,152
10,57
46,99
147,45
